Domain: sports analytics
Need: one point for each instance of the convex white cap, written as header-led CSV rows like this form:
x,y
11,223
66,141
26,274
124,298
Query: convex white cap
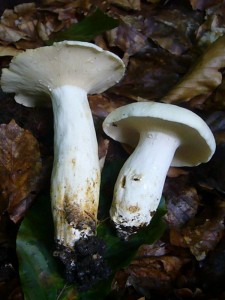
x,y
197,143
33,74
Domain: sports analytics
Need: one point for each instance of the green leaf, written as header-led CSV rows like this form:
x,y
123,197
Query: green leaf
x,y
120,253
88,28
39,273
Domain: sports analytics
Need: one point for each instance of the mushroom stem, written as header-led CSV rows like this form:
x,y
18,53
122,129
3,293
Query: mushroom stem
x,y
139,186
76,172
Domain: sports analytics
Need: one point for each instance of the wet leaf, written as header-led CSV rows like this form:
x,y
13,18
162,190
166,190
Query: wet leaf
x,y
88,28
203,77
20,169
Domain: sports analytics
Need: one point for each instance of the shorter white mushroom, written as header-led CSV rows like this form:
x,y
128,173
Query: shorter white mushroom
x,y
162,135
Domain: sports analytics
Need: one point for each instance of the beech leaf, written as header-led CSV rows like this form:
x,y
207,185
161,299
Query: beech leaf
x,y
203,77
39,273
20,168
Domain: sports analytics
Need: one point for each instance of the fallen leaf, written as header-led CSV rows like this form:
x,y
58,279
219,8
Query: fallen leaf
x,y
151,73
213,26
20,168
85,30
203,77
212,271
39,272
127,4
182,201
211,176
102,104
203,233
9,51
10,35
150,274
127,37
203,4
172,27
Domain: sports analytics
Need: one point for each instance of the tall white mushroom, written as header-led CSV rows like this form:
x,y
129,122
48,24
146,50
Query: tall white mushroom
x,y
65,73
162,135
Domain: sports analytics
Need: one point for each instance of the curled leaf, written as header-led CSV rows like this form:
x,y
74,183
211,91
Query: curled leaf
x,y
203,77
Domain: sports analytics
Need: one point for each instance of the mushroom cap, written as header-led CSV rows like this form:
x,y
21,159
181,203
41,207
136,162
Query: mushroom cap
x,y
197,143
33,74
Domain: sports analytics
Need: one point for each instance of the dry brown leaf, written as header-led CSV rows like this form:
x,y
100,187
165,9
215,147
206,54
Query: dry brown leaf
x,y
101,105
182,201
172,28
20,168
127,4
203,77
27,26
127,38
150,273
10,35
8,51
204,232
203,4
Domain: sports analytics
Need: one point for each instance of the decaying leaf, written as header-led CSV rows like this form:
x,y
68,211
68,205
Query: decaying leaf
x,y
173,29
217,100
9,51
20,167
150,74
128,38
101,105
10,35
182,201
203,233
203,4
211,176
214,25
155,274
127,4
204,76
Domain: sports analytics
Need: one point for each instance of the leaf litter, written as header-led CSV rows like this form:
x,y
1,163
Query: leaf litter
x,y
163,44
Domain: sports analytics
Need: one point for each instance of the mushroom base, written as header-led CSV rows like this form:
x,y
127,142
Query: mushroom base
x,y
83,265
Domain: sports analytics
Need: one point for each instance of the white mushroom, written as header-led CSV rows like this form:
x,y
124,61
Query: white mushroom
x,y
65,73
162,135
